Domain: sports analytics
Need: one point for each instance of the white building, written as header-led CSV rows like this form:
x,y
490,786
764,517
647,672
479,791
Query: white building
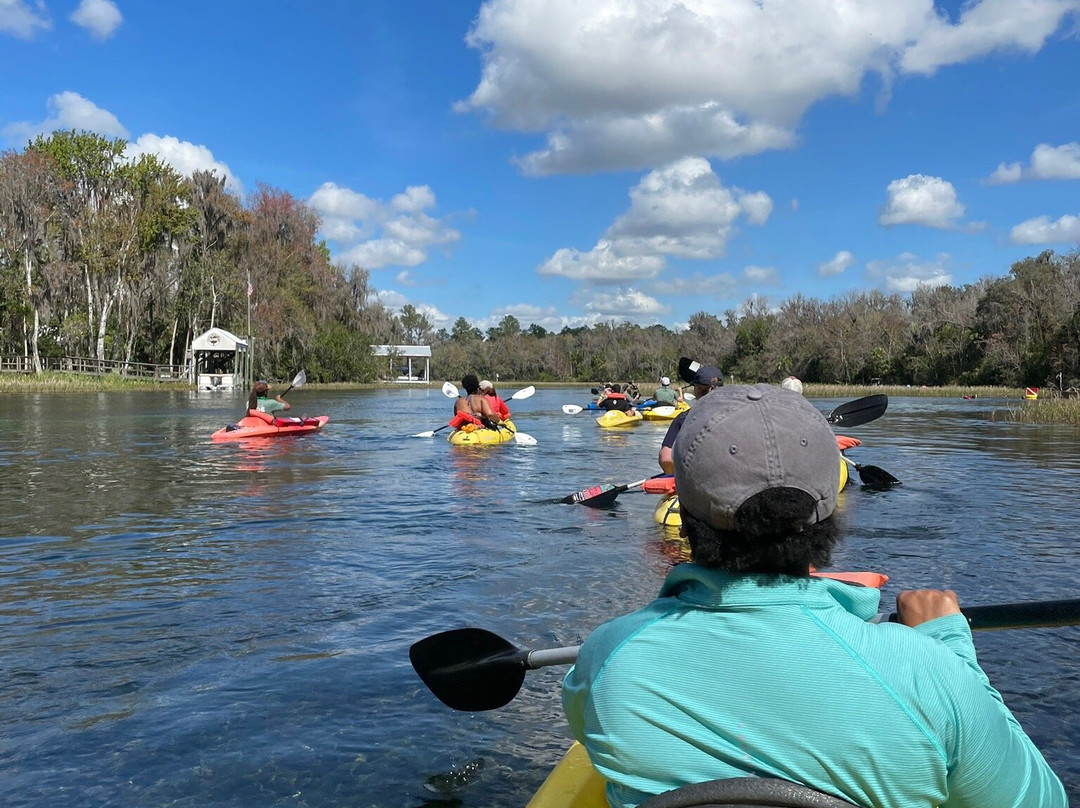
x,y
219,360
400,365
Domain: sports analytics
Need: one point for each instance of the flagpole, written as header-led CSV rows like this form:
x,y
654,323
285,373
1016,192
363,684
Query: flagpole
x,y
251,342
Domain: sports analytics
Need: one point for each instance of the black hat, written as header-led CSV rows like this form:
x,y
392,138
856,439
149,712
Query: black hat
x,y
696,373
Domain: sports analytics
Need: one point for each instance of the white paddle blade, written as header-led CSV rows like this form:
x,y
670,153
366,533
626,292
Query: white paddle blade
x,y
520,394
571,409
428,434
449,390
521,439
665,410
300,379
689,396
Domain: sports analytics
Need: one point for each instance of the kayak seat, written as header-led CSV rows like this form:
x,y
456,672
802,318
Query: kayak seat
x,y
262,416
743,792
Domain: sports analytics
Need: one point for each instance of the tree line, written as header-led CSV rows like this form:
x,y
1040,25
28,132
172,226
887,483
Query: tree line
x,y
126,259
1018,330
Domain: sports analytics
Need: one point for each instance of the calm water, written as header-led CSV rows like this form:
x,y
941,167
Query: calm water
x,y
185,623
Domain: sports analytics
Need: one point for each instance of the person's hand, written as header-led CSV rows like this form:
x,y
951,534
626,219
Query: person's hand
x,y
917,606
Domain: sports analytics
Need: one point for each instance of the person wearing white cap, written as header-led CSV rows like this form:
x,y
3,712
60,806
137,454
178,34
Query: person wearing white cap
x,y
747,666
666,394
793,384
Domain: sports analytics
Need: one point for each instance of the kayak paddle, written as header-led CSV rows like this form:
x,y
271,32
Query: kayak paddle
x,y
872,476
299,380
524,393
449,389
860,411
472,669
571,409
600,496
431,432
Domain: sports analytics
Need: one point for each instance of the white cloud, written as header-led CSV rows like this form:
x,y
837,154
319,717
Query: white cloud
x,y
376,234
839,264
906,272
984,27
761,276
681,210
99,17
22,19
185,157
1047,163
1012,172
919,199
1041,230
625,303
601,264
67,110
634,83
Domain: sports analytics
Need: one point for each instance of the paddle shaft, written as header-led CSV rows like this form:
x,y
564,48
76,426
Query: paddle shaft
x,y
1035,614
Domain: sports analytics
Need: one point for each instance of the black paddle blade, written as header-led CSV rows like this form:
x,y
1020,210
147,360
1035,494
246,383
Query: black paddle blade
x,y
860,411
469,669
876,477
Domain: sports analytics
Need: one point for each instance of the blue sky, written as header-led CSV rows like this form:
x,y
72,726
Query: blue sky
x,y
571,162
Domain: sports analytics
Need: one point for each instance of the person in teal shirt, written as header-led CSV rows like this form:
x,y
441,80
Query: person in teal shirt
x,y
745,665
260,399
665,394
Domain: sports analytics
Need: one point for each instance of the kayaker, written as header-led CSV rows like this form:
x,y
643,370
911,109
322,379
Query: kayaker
x,y
260,400
473,407
497,404
633,394
792,383
667,395
704,378
747,666
615,399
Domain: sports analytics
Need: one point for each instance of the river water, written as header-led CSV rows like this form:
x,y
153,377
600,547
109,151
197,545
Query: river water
x,y
194,624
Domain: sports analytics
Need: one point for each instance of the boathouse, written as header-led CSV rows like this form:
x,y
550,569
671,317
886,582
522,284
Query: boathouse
x,y
403,362
220,360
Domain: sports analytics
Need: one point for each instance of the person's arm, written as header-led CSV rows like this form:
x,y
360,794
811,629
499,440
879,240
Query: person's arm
x,y
285,405
992,763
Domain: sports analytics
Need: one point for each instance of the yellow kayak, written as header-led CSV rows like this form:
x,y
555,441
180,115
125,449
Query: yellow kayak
x,y
573,783
667,511
617,418
483,437
665,412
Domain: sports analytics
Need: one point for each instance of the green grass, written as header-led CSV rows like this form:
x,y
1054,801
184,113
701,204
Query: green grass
x,y
899,390
77,383
1043,411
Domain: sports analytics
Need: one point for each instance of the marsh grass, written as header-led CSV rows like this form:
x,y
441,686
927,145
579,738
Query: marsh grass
x,y
1042,411
75,383
900,390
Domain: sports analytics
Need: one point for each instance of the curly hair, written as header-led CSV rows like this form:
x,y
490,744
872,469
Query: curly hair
x,y
471,383
771,535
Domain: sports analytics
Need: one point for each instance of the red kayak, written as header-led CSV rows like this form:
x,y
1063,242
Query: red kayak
x,y
263,425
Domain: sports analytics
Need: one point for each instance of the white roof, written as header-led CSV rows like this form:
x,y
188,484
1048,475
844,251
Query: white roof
x,y
218,339
402,350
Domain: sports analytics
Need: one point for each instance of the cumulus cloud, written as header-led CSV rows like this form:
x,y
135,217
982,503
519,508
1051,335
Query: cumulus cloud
x,y
720,285
633,83
1041,230
918,199
184,156
681,210
839,264
984,27
376,234
1047,163
906,272
67,110
22,19
100,17
625,303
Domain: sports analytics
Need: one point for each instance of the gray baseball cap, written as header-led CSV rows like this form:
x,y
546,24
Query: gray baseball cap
x,y
739,441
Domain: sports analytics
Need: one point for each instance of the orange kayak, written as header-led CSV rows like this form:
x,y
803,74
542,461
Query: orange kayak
x,y
254,427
